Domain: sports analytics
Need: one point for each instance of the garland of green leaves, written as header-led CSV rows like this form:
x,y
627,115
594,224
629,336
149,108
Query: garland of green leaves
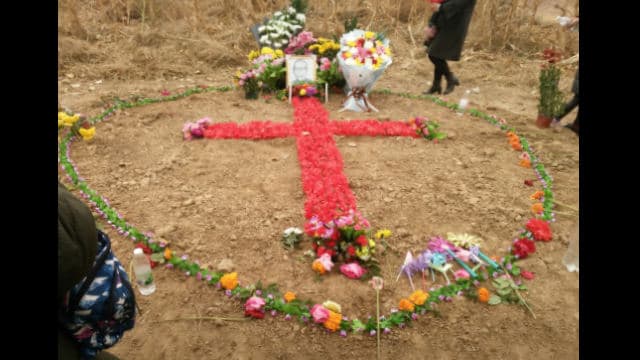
x,y
274,299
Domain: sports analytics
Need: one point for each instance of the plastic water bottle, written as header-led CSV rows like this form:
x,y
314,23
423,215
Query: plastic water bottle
x,y
571,258
142,271
464,102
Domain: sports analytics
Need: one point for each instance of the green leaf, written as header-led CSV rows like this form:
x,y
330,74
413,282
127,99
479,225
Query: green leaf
x,y
522,287
515,271
158,257
494,300
504,292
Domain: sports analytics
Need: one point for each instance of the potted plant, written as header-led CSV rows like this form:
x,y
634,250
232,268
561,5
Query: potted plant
x,y
551,98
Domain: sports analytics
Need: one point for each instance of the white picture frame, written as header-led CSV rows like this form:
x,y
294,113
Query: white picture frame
x,y
301,68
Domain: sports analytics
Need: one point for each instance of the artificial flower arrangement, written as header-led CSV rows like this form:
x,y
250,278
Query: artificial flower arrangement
x,y
427,128
298,45
304,89
77,124
277,31
324,47
345,239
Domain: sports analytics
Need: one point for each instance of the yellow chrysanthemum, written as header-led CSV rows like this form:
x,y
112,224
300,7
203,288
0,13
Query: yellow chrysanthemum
x,y
69,120
419,297
229,281
303,92
384,233
363,253
60,122
279,53
333,322
372,244
87,134
323,40
314,47
289,296
253,54
351,43
369,35
267,51
406,305
333,306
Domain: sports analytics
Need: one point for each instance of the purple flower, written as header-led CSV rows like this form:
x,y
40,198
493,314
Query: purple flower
x,y
414,316
460,293
386,330
441,297
287,317
184,257
343,333
372,333
188,273
345,318
274,313
305,319
270,296
169,266
258,292
401,325
228,293
218,285
509,266
209,277
495,275
199,276
394,310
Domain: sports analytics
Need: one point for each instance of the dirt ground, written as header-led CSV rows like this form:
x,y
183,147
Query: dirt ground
x,y
230,199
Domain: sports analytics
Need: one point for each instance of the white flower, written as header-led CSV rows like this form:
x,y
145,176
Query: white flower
x,y
293,230
350,61
264,39
277,14
301,18
292,10
368,44
261,29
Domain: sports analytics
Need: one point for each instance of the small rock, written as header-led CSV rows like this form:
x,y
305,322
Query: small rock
x,y
225,265
91,88
98,82
70,75
188,202
75,86
163,231
352,144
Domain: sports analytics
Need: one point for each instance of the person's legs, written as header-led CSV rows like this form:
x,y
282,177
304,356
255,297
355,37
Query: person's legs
x,y
452,81
439,70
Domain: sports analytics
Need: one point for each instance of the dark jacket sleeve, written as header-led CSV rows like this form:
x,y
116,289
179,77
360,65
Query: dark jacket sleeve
x,y
77,241
451,8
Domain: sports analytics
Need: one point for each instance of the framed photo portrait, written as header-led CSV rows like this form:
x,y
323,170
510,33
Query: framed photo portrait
x,y
301,68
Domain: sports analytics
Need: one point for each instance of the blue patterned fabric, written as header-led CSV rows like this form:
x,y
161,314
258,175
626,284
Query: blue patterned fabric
x,y
98,310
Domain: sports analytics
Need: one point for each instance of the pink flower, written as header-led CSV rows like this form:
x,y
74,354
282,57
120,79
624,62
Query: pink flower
x,y
352,270
461,274
241,82
463,254
165,92
319,313
525,156
326,262
325,64
254,303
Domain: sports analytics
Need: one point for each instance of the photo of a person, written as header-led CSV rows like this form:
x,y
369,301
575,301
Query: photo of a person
x,y
301,69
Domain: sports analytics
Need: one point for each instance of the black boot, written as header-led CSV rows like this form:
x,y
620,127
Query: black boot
x,y
434,89
452,81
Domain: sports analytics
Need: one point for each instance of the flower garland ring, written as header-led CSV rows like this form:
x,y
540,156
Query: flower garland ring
x,y
256,304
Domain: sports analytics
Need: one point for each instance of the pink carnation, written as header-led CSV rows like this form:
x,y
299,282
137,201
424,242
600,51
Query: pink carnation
x,y
461,274
254,303
352,270
319,313
326,262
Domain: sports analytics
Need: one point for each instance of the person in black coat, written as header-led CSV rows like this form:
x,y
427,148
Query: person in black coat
x,y
575,88
452,24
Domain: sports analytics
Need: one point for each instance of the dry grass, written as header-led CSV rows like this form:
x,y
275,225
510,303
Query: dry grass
x,y
214,33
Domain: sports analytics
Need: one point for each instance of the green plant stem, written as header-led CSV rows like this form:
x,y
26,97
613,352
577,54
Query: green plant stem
x,y
522,301
378,320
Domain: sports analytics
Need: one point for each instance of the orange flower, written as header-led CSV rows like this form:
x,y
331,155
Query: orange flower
x,y
168,253
334,320
537,208
229,281
289,296
318,267
483,295
516,146
419,297
510,134
495,258
525,163
406,305
537,195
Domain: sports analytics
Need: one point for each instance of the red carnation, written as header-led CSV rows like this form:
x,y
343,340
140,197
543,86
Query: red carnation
x,y
331,243
528,182
523,247
254,313
321,250
362,240
351,250
527,274
540,229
